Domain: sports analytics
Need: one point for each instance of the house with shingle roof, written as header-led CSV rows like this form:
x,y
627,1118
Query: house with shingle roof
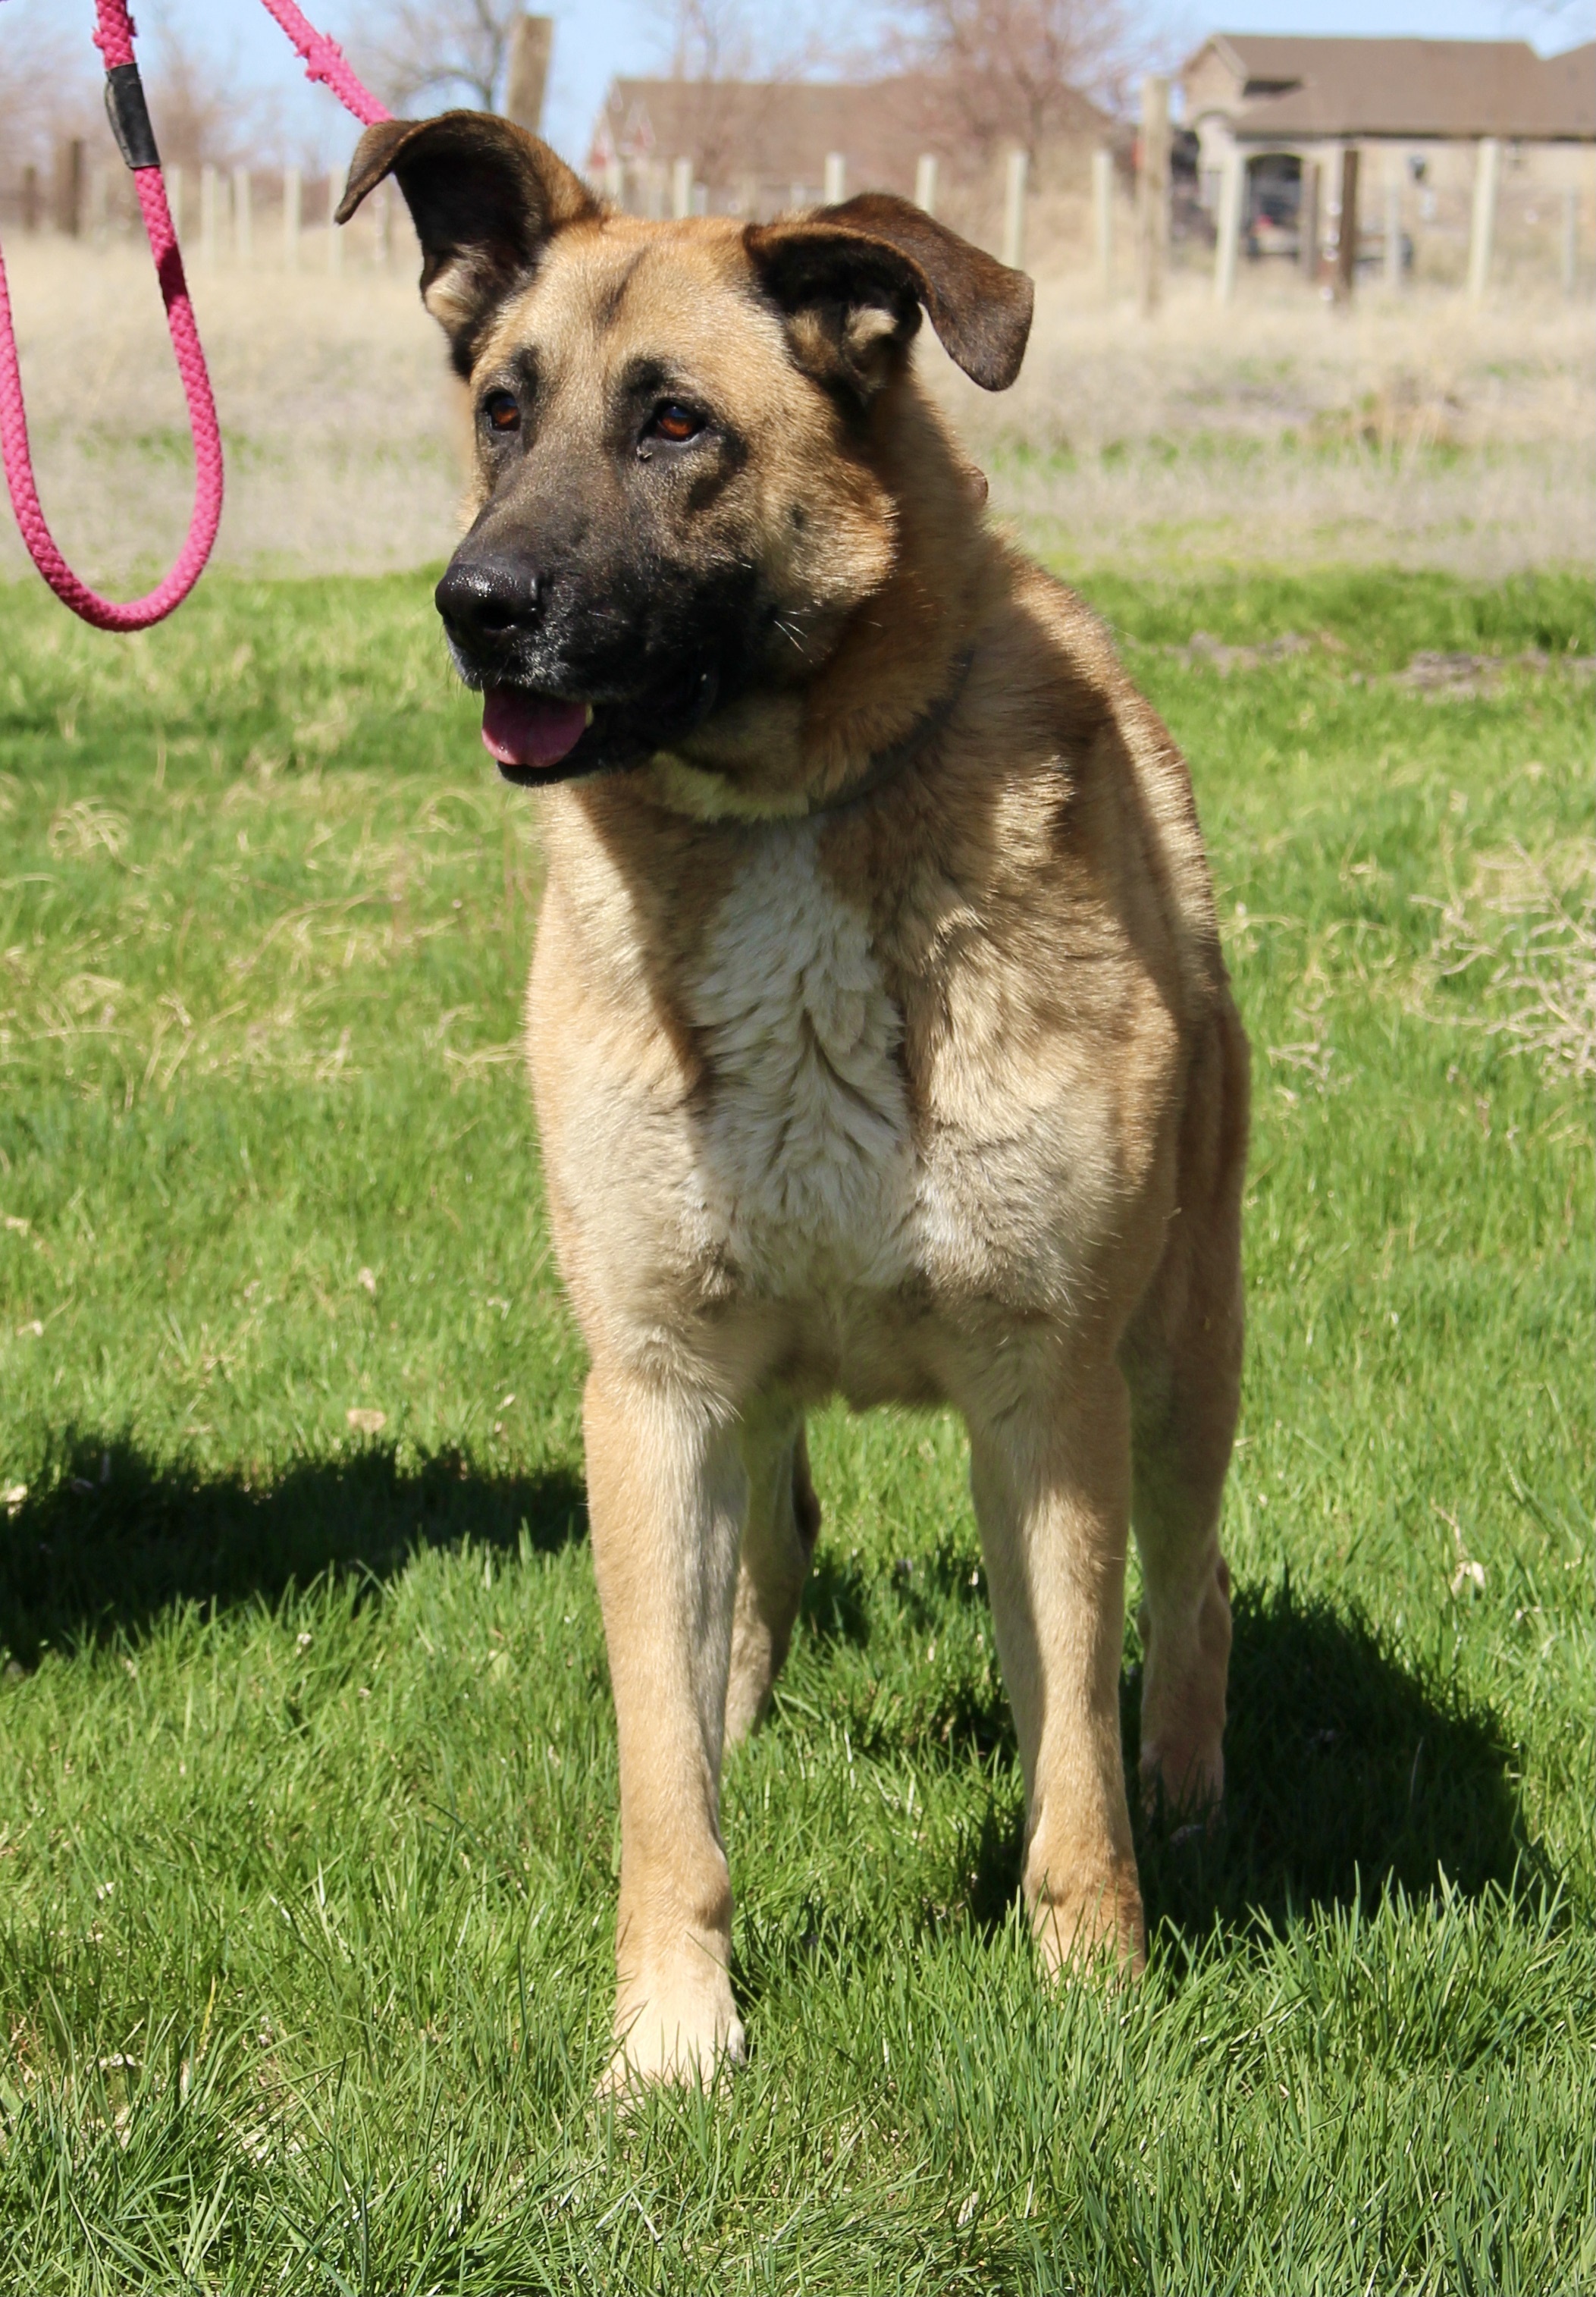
x,y
752,147
1416,111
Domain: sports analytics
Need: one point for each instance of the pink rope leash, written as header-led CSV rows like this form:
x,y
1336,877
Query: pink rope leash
x,y
324,62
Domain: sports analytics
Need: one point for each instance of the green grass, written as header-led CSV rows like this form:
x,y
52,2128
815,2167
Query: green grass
x,y
307,1841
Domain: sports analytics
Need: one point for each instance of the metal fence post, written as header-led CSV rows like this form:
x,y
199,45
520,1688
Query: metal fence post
x,y
1482,226
836,179
682,189
244,217
926,182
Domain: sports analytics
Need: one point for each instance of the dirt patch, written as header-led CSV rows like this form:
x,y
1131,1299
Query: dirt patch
x,y
1464,677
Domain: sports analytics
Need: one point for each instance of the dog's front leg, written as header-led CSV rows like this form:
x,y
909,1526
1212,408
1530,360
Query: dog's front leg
x,y
667,1492
1050,1476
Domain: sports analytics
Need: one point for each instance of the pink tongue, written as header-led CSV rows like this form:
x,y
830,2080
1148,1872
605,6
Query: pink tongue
x,y
530,730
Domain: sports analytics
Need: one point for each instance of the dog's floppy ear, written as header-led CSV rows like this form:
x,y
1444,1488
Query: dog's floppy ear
x,y
484,195
852,280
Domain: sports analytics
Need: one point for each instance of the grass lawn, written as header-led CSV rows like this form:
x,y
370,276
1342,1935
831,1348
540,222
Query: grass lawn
x,y
307,1840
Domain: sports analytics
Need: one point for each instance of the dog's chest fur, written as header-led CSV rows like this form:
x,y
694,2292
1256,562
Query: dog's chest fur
x,y
803,1153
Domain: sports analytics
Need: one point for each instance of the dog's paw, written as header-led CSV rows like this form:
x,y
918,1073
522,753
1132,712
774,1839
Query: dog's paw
x,y
677,2037
1097,1925
1183,1780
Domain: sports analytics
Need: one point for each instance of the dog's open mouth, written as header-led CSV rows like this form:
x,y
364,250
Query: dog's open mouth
x,y
536,737
531,735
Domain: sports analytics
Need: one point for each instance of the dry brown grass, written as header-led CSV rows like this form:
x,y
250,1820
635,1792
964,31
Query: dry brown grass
x,y
1275,433
337,415
1282,431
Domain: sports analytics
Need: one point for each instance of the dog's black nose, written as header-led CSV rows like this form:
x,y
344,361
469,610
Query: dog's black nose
x,y
487,599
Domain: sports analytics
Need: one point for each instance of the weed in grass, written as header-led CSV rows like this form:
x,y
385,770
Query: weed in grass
x,y
307,1850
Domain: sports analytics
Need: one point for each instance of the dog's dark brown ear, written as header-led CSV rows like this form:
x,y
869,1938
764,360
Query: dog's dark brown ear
x,y
852,280
485,196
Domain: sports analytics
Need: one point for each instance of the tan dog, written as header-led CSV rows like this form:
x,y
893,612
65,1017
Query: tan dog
x,y
881,1038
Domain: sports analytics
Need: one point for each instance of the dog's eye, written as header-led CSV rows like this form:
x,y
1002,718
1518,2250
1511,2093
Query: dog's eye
x,y
674,423
500,411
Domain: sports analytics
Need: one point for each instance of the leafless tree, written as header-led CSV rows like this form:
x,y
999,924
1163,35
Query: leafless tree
x,y
199,120
1015,71
439,50
709,41
46,89
728,57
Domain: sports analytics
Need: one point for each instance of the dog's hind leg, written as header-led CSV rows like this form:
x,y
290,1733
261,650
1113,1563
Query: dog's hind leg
x,y
778,1544
1182,1359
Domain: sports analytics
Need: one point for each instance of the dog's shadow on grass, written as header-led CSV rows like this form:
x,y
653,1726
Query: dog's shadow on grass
x,y
1349,1770
109,1540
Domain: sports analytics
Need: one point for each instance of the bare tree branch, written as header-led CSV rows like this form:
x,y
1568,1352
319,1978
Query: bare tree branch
x,y
1013,71
439,51
46,89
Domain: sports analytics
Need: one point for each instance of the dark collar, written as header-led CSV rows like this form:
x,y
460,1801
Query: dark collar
x,y
887,765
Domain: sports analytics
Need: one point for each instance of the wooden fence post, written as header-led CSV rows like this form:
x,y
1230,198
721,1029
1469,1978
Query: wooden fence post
x,y
69,187
1232,193
1570,247
836,179
98,204
531,44
682,189
1014,207
1307,221
1482,227
209,218
244,218
1152,194
30,199
293,201
1347,227
1394,247
926,182
1102,217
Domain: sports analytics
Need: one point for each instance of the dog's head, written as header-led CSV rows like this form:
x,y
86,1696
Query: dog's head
x,y
679,498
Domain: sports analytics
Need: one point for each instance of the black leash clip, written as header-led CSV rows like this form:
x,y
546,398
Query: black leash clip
x,y
129,117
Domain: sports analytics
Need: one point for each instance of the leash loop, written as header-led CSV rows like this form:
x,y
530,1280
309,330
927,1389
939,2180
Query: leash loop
x,y
130,123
